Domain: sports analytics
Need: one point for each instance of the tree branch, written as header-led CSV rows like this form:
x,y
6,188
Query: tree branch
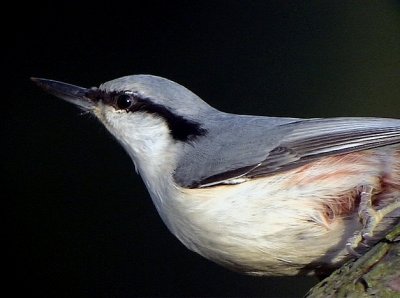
x,y
376,273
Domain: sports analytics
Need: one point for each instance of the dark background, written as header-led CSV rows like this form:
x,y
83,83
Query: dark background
x,y
82,223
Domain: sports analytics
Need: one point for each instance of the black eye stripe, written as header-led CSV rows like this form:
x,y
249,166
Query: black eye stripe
x,y
182,129
119,100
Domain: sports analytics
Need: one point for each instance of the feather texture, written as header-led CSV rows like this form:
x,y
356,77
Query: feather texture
x,y
287,146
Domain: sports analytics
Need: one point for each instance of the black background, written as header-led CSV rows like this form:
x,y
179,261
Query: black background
x,y
82,223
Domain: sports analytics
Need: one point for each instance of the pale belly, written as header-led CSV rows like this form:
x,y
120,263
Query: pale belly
x,y
289,223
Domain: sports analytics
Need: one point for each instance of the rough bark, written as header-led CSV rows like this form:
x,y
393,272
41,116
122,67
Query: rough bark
x,y
375,274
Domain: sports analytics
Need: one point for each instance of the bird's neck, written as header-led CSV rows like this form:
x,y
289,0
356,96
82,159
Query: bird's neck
x,y
154,156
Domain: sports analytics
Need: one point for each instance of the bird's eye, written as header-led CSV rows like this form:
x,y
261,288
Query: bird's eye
x,y
124,101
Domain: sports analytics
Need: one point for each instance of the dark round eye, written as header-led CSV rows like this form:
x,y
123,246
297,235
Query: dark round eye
x,y
124,101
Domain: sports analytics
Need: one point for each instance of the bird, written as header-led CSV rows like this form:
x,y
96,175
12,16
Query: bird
x,y
265,196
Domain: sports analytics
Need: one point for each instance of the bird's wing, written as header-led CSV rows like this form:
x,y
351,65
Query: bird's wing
x,y
298,143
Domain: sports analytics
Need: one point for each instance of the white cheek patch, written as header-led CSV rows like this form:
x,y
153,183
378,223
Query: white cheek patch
x,y
139,132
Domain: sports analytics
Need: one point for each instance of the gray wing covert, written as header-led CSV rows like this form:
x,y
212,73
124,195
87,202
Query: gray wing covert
x,y
257,151
313,139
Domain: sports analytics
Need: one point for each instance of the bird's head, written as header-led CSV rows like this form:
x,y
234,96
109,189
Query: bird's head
x,y
149,115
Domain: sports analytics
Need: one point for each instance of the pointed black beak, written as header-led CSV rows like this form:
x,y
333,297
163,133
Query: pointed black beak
x,y
71,93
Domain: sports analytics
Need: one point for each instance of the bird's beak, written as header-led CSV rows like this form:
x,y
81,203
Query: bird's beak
x,y
71,93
